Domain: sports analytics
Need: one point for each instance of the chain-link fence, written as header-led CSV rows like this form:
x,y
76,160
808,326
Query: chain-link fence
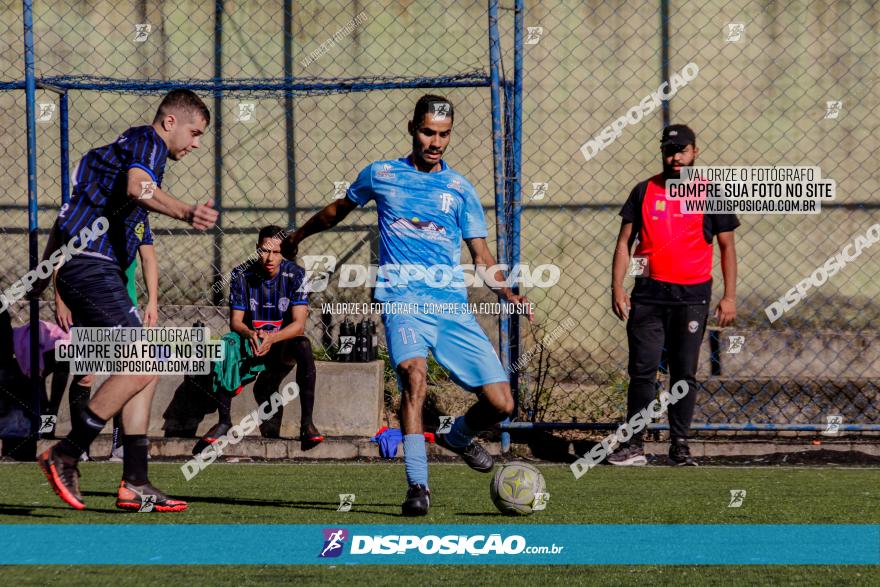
x,y
778,84
305,94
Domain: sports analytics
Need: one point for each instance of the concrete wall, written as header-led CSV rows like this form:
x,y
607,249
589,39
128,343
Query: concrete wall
x,y
348,402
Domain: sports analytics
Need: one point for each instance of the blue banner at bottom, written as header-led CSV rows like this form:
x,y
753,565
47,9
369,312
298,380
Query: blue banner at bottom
x,y
520,544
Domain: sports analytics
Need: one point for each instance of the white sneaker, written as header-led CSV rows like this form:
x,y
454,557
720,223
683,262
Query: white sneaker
x,y
631,455
116,454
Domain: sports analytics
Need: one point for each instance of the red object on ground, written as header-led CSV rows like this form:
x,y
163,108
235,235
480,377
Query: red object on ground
x,y
429,436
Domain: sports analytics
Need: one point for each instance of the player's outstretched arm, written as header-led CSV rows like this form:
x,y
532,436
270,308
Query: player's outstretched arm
x,y
619,300
328,217
199,216
484,259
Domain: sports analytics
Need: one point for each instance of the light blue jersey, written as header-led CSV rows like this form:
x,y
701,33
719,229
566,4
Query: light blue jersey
x,y
423,218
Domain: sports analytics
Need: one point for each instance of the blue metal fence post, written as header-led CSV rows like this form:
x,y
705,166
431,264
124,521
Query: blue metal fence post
x,y
664,55
289,126
64,141
498,158
509,173
218,150
515,208
30,88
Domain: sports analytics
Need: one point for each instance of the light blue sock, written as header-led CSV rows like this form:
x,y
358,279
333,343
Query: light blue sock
x,y
461,434
415,459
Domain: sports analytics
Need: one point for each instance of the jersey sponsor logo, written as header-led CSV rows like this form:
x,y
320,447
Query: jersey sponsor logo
x,y
445,202
384,172
415,227
659,210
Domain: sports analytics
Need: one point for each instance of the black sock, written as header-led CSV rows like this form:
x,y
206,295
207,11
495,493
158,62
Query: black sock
x,y
85,429
224,409
305,378
267,383
78,397
136,449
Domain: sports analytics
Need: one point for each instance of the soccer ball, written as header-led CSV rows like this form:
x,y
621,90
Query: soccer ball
x,y
518,488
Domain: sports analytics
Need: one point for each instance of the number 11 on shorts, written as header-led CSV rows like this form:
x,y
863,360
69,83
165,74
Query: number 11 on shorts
x,y
412,333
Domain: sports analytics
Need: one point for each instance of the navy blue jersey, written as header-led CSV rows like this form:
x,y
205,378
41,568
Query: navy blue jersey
x,y
267,303
101,189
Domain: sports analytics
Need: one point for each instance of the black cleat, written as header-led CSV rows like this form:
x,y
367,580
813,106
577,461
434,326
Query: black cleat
x,y
628,455
680,453
418,500
309,436
219,429
63,476
473,454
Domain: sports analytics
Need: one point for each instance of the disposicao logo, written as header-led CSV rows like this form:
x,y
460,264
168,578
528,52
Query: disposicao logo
x,y
334,541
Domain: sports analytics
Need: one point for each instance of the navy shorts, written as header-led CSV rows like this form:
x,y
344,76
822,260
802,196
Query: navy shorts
x,y
94,289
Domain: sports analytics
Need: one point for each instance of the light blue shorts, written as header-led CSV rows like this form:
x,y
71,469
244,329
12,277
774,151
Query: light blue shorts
x,y
455,340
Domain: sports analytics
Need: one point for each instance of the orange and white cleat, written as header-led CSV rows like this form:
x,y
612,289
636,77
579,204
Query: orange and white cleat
x,y
146,498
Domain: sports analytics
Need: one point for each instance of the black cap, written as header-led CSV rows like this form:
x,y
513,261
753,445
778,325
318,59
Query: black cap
x,y
678,134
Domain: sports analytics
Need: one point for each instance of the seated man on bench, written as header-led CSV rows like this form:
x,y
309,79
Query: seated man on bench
x,y
268,309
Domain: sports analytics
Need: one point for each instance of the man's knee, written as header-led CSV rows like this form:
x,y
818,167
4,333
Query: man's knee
x,y
143,381
301,348
642,373
299,353
414,373
500,398
506,408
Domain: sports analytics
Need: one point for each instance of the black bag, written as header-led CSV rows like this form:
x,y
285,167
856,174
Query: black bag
x,y
14,421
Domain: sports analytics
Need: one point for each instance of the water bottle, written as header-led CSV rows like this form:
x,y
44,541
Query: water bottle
x,y
345,348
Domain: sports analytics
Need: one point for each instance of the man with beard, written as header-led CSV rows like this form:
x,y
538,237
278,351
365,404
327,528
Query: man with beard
x,y
426,209
670,301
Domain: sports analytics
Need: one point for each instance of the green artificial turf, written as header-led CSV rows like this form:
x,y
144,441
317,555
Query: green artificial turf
x,y
308,494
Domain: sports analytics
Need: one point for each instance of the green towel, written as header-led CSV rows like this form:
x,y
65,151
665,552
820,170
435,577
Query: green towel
x,y
130,285
238,367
